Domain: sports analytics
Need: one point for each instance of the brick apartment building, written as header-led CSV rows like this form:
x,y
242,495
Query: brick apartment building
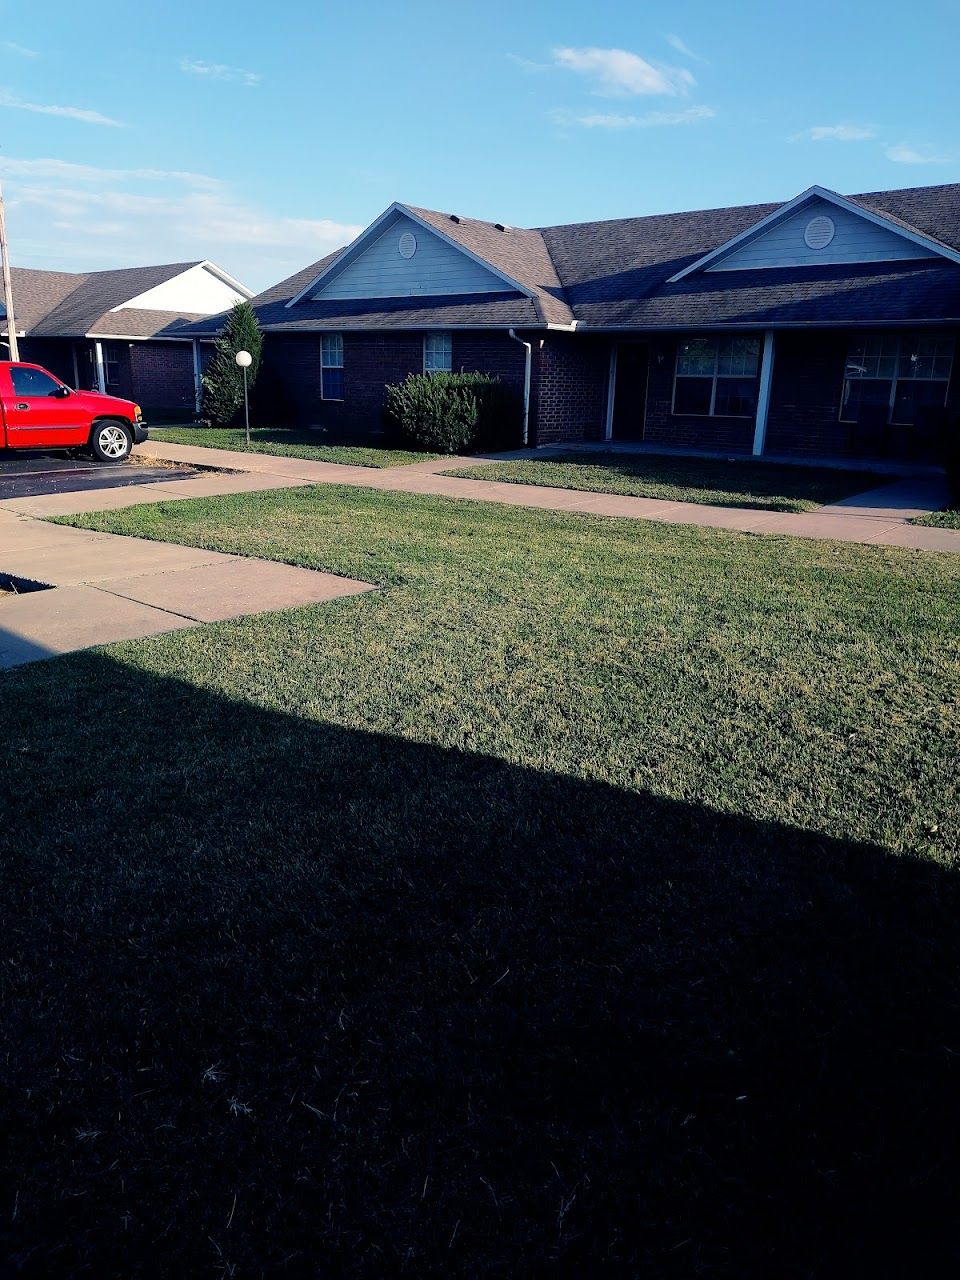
x,y
120,331
825,325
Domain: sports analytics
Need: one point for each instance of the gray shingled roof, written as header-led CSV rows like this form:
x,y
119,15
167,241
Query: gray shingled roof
x,y
615,274
518,252
61,304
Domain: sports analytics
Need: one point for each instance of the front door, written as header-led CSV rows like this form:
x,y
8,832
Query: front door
x,y
630,391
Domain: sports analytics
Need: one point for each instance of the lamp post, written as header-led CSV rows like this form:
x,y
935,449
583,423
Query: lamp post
x,y
245,360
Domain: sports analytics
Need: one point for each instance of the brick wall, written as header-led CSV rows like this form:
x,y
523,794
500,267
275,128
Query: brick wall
x,y
55,354
805,394
291,380
161,378
571,389
733,435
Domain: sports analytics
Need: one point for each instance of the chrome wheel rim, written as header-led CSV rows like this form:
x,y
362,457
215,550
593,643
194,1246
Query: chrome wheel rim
x,y
113,442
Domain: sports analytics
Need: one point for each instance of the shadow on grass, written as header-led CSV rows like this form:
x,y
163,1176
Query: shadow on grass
x,y
283,999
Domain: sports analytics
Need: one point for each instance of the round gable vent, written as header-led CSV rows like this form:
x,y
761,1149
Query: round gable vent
x,y
819,232
407,245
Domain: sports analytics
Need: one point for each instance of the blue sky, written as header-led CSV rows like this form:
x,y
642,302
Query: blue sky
x,y
263,135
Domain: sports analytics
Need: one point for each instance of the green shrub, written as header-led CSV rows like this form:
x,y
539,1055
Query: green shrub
x,y
452,412
223,380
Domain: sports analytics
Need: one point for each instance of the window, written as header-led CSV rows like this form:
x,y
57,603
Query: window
x,y
437,353
111,364
33,382
717,377
891,376
331,366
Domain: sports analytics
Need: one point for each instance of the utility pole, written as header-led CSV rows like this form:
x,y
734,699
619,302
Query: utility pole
x,y
7,287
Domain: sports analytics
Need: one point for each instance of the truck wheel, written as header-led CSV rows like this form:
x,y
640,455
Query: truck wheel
x,y
110,441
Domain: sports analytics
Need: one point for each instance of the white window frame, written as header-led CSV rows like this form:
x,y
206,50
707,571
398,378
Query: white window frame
x,y
332,360
715,376
903,342
445,340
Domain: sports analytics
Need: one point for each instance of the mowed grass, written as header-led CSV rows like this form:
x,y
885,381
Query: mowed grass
x,y
582,902
949,519
288,444
719,482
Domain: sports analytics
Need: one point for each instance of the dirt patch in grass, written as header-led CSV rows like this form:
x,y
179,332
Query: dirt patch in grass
x,y
310,445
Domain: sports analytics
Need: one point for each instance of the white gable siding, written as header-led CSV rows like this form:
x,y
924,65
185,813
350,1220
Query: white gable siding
x,y
197,291
856,240
436,269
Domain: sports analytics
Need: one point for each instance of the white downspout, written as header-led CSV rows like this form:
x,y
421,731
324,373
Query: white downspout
x,y
197,377
528,361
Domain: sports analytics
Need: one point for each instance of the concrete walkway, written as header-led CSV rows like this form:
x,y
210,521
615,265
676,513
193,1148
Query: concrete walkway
x,y
880,517
109,588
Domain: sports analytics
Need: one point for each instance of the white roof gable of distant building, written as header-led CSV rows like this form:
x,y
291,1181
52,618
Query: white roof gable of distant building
x,y
817,228
202,289
401,256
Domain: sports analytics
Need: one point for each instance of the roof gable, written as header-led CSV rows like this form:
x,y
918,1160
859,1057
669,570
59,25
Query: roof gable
x,y
200,289
820,228
401,255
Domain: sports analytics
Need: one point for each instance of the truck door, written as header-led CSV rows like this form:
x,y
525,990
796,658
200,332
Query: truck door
x,y
38,415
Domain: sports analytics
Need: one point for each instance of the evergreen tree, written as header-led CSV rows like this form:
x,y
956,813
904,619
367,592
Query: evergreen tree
x,y
223,381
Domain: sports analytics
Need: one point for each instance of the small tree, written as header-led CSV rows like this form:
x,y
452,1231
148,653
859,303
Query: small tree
x,y
223,381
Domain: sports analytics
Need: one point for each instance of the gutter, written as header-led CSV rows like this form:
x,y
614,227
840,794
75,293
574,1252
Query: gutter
x,y
528,361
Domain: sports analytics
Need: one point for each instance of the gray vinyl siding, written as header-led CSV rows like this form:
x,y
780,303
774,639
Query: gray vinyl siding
x,y
856,240
436,269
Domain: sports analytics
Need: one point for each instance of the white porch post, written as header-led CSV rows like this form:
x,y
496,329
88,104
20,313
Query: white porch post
x,y
197,376
611,392
101,376
763,397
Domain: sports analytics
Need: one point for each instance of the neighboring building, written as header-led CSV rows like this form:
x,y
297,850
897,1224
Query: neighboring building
x,y
120,331
823,326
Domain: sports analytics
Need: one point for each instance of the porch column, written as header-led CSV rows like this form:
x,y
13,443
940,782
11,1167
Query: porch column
x,y
197,377
101,376
611,392
763,397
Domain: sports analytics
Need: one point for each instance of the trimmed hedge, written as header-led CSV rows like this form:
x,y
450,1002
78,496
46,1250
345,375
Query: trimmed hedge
x,y
454,412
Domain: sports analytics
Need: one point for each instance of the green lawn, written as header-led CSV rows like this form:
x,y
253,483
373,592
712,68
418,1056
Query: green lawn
x,y
584,902
941,519
287,444
722,483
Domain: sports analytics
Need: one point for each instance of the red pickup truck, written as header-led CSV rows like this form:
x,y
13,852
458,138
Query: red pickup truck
x,y
37,411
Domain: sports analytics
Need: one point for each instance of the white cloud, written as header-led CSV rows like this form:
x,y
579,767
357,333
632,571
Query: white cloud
x,y
219,71
617,73
68,171
78,217
835,133
8,99
20,50
650,120
527,64
901,153
676,43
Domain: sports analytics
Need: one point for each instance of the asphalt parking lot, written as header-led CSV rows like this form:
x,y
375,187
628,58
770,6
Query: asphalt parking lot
x,y
28,474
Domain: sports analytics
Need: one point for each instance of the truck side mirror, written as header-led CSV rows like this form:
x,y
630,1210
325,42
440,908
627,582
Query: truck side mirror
x,y
61,393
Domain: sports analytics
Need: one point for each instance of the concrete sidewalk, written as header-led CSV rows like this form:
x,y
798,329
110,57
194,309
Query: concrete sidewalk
x,y
880,517
108,588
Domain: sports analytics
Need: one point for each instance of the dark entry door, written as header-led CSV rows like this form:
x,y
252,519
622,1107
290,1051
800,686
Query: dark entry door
x,y
630,391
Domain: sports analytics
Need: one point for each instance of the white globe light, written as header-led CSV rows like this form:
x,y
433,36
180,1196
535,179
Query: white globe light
x,y
244,359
